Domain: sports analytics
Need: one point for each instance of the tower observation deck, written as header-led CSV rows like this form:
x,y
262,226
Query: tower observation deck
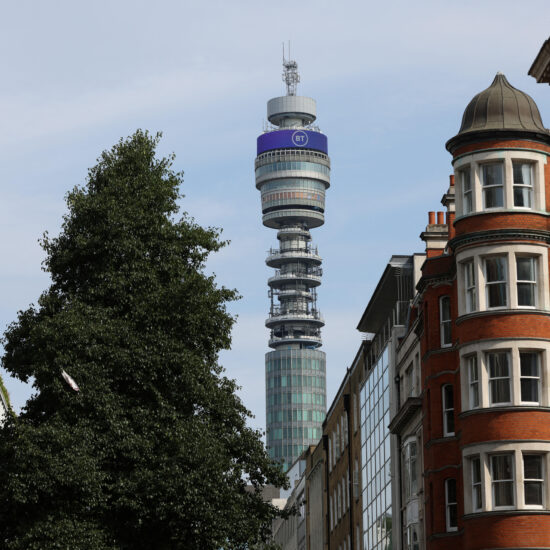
x,y
292,174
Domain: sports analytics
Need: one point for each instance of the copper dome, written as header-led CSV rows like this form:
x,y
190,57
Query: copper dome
x,y
500,109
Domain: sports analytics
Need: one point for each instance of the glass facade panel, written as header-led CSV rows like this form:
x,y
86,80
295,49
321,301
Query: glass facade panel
x,y
375,444
295,401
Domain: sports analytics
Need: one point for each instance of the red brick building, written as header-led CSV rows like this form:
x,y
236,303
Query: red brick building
x,y
484,331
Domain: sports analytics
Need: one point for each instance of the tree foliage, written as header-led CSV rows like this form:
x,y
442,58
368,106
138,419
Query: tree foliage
x,y
154,451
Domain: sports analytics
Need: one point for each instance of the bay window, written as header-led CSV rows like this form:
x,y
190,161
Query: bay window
x,y
512,377
500,179
502,474
523,184
499,377
496,281
506,475
492,181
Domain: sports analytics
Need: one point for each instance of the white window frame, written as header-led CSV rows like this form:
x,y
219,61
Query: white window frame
x,y
495,380
445,322
522,186
465,178
540,480
449,505
537,377
487,188
447,410
495,483
531,282
503,282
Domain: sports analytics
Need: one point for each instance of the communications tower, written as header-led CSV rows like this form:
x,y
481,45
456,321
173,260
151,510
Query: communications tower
x,y
292,173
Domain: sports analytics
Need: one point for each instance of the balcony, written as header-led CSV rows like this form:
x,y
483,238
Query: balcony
x,y
277,316
310,340
311,277
278,257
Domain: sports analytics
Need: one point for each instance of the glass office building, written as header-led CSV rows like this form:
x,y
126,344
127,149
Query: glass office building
x,y
375,455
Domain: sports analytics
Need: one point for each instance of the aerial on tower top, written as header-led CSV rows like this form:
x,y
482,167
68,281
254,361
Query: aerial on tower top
x,y
290,74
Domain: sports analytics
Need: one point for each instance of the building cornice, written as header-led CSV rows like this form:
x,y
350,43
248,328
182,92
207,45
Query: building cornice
x,y
499,234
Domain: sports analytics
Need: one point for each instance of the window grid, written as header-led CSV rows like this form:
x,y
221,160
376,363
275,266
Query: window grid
x,y
375,456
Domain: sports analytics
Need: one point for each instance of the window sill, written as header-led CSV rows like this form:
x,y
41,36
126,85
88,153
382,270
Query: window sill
x,y
500,311
489,211
508,408
504,512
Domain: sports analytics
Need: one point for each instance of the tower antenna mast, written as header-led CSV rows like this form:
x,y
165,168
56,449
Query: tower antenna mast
x,y
290,73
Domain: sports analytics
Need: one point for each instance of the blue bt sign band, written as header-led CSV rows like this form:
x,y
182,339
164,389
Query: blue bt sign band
x,y
283,139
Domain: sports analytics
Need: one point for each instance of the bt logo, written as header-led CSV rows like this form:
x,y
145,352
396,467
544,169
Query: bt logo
x,y
300,138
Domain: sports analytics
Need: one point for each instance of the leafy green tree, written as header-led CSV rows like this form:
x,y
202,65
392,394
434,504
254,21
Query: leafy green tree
x,y
153,452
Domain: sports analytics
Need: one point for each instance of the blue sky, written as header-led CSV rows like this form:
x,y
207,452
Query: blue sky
x,y
391,82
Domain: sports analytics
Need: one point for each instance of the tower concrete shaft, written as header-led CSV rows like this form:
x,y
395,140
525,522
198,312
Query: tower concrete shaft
x,y
292,174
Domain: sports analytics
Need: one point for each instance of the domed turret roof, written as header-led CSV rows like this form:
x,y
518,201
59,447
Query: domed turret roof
x,y
499,109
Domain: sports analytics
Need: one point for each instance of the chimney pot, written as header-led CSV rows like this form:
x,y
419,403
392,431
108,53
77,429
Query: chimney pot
x,y
440,218
431,218
452,180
